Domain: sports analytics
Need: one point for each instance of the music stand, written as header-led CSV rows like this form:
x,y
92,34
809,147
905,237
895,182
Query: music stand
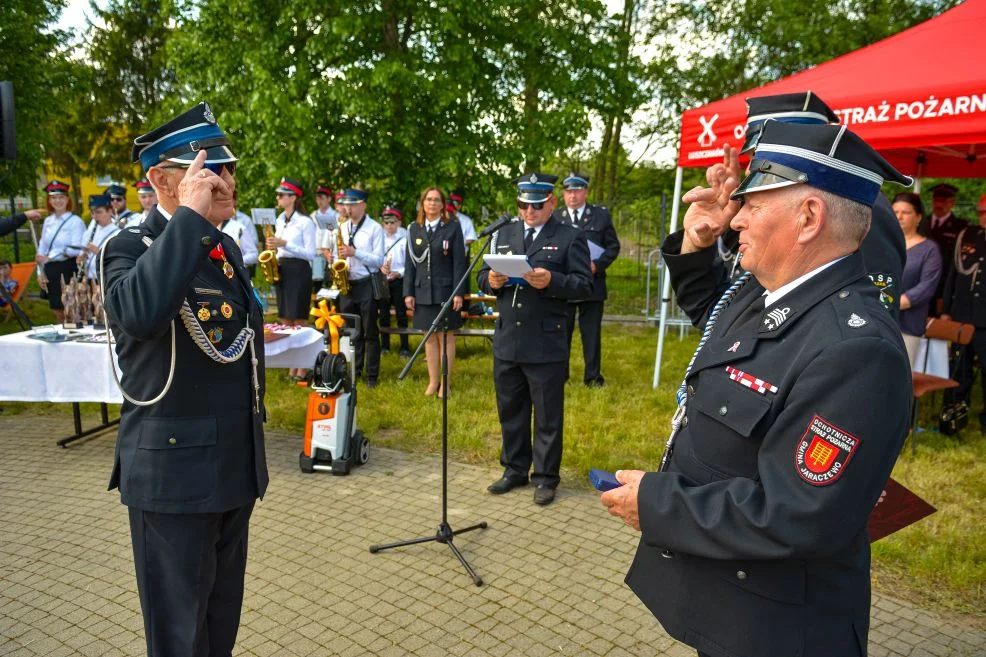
x,y
445,533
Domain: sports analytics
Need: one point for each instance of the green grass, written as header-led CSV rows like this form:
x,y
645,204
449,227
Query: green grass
x,y
939,562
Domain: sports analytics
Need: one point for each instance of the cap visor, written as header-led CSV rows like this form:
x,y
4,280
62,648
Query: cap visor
x,y
532,198
214,155
761,181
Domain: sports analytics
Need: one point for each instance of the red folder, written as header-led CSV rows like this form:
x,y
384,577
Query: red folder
x,y
897,508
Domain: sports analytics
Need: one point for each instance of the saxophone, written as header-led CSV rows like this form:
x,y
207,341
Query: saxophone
x,y
340,268
268,259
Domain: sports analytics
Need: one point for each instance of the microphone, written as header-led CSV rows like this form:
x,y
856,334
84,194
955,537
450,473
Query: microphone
x,y
496,225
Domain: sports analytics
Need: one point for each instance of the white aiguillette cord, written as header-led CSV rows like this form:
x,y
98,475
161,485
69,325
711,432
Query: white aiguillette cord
x,y
231,354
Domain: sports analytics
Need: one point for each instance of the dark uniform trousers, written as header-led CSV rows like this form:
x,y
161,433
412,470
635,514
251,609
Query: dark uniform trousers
x,y
597,225
963,300
753,541
400,312
367,344
190,466
530,357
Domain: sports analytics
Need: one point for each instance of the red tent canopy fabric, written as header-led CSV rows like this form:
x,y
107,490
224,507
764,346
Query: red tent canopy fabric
x,y
918,97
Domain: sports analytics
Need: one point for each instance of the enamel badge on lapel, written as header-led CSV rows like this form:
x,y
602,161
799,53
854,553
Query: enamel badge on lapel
x,y
203,313
417,241
855,321
226,310
734,347
215,334
228,270
775,318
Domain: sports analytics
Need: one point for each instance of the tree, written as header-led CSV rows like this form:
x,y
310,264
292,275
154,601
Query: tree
x,y
29,54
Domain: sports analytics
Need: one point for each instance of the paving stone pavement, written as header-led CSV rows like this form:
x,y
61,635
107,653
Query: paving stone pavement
x,y
554,576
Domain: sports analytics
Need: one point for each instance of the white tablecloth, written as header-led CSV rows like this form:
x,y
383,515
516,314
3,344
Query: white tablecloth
x,y
34,370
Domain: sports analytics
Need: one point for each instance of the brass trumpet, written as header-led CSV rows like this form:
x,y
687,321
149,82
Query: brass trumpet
x,y
268,259
340,268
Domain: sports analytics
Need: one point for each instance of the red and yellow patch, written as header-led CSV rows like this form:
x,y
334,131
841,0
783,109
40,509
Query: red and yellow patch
x,y
824,452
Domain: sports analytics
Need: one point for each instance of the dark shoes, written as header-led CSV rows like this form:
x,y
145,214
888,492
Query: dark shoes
x,y
543,495
598,382
371,383
506,484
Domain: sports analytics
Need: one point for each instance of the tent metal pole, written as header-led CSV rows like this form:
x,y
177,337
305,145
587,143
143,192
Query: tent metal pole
x,y
666,288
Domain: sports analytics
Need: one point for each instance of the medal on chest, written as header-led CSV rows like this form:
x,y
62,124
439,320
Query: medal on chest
x,y
219,254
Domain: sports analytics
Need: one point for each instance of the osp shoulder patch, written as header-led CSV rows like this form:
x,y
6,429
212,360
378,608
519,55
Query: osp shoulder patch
x,y
823,452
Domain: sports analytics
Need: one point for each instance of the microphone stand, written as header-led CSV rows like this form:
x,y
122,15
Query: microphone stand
x,y
445,532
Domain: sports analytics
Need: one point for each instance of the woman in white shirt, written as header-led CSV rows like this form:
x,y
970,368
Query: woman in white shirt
x,y
294,239
394,256
61,237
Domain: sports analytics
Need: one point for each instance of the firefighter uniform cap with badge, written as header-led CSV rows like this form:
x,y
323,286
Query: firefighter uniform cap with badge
x,y
392,211
804,107
99,201
144,186
180,139
56,188
353,196
116,191
575,181
290,186
827,157
534,187
944,190
323,189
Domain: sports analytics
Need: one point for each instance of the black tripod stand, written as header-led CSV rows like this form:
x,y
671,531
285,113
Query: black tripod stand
x,y
19,313
445,532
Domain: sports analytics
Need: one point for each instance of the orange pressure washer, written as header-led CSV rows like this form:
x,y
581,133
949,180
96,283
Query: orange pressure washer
x,y
332,441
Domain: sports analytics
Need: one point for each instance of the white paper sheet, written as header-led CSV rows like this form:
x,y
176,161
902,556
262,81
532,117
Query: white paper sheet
x,y
514,266
595,251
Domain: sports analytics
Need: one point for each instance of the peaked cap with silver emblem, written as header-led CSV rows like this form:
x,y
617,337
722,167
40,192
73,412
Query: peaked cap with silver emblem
x,y
180,139
575,181
827,157
803,107
534,187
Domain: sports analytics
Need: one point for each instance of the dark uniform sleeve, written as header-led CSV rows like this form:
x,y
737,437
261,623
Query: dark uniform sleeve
x,y
698,278
782,515
576,281
11,223
611,244
145,286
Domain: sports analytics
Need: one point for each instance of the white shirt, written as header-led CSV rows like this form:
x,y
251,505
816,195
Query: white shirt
x,y
247,241
937,221
369,247
537,230
468,229
775,296
55,243
136,219
299,233
98,235
395,250
579,213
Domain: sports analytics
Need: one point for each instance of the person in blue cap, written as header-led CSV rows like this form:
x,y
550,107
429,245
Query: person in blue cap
x,y
753,532
58,246
530,341
190,460
604,247
147,198
118,199
363,249
100,229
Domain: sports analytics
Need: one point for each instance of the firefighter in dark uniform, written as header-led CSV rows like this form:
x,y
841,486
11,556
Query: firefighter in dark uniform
x,y
190,453
964,300
790,418
884,249
943,228
530,348
118,201
597,225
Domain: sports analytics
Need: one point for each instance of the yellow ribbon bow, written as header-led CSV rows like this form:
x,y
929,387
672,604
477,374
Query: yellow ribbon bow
x,y
326,316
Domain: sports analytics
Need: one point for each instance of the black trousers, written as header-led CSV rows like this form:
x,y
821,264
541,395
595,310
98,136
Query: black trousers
x,y
965,372
400,311
520,389
367,344
190,571
591,327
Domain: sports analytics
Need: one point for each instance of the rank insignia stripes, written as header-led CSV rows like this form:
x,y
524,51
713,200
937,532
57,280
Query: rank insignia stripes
x,y
750,381
776,317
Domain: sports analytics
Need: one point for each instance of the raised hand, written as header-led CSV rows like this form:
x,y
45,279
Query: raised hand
x,y
711,209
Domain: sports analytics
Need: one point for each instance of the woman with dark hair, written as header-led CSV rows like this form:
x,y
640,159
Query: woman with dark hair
x,y
921,272
436,260
294,239
60,244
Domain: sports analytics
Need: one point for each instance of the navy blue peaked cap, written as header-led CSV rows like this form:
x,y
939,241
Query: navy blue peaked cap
x,y
180,139
802,107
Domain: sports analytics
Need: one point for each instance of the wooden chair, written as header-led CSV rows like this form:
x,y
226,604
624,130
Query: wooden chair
x,y
21,272
923,384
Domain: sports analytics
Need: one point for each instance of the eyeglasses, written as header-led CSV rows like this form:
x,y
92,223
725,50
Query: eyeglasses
x,y
522,205
216,168
117,198
389,221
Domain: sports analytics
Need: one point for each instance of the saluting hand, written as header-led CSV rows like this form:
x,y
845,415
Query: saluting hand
x,y
711,209
622,502
197,188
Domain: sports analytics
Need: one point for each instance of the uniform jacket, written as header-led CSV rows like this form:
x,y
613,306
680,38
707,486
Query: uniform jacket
x,y
884,252
11,223
754,541
962,294
432,285
597,225
944,236
201,448
532,324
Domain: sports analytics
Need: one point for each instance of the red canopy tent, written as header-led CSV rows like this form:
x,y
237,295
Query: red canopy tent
x,y
918,97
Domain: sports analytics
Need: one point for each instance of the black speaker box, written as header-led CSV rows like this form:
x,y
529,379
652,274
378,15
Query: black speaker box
x,y
8,134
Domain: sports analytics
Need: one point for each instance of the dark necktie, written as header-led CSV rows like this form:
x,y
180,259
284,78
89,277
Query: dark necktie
x,y
529,238
431,232
575,217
